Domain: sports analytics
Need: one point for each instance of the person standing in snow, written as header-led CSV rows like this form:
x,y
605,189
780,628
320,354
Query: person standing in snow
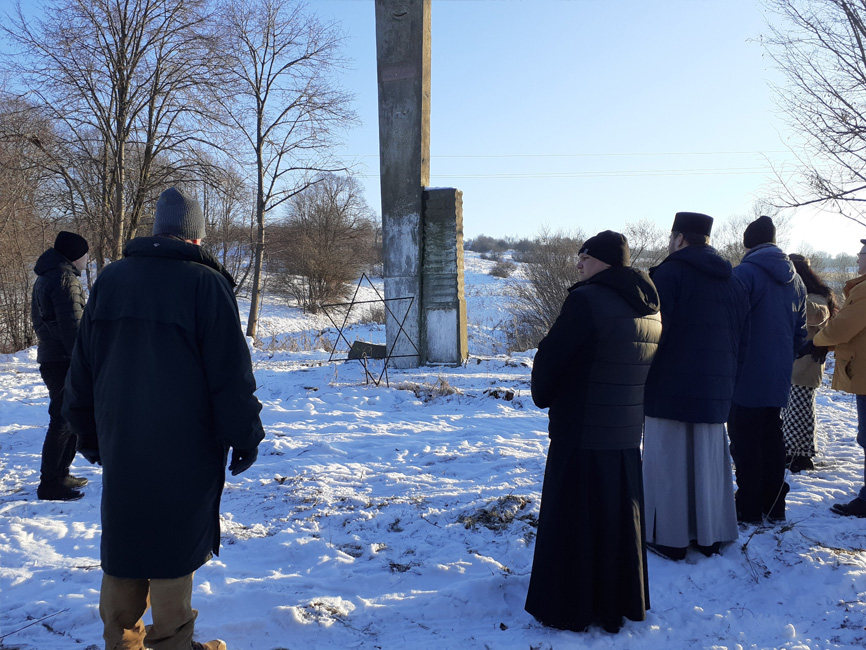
x,y
799,423
846,334
56,308
688,483
160,387
777,332
589,565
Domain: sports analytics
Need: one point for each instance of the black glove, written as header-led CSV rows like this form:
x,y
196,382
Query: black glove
x,y
808,348
819,353
91,456
242,460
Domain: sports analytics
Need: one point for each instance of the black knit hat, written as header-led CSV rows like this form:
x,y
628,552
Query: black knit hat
x,y
608,246
179,215
71,245
694,222
760,231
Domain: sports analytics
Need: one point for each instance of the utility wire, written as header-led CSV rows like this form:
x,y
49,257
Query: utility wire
x,y
591,155
729,171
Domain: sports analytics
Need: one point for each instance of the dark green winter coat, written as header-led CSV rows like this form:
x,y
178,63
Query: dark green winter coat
x,y
56,307
161,386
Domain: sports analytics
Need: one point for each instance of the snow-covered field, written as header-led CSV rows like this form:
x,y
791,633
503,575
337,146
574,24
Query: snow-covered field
x,y
404,517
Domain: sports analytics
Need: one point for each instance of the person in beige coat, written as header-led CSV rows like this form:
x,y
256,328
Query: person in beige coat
x,y
846,334
798,417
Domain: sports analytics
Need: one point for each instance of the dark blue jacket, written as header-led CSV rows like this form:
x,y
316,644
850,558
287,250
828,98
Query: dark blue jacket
x,y
591,367
704,310
777,326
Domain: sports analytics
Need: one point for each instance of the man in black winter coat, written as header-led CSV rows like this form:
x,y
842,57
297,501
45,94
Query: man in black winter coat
x,y
589,565
161,386
56,308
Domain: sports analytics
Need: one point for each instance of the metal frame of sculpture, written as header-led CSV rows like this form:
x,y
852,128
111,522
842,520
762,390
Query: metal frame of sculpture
x,y
369,376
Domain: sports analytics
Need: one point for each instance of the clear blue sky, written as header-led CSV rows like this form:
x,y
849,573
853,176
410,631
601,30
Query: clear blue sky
x,y
591,114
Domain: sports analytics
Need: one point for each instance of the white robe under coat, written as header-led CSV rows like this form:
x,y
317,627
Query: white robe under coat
x,y
688,484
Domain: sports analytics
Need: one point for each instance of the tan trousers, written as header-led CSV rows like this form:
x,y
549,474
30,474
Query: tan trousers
x,y
123,602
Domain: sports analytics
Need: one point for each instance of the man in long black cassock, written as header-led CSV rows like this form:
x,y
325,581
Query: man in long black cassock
x,y
590,554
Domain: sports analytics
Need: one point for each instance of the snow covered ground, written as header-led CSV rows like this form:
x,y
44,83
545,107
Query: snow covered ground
x,y
404,517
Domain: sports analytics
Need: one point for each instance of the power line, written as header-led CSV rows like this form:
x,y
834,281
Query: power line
x,y
731,171
592,155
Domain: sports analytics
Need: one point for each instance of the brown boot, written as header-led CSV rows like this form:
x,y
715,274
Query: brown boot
x,y
216,644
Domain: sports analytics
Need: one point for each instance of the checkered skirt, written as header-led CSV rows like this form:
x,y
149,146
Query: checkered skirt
x,y
798,422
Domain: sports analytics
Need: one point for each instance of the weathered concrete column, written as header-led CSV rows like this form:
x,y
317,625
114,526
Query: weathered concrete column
x,y
443,303
403,53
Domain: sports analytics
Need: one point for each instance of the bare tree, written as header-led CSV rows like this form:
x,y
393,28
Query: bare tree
x,y
122,80
820,47
842,268
727,235
325,242
227,204
647,242
549,268
283,102
820,261
24,233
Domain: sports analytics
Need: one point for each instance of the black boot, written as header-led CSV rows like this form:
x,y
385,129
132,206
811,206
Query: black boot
x,y
854,508
56,491
713,549
668,552
799,463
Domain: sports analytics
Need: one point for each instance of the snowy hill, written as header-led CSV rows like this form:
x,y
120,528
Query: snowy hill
x,y
403,516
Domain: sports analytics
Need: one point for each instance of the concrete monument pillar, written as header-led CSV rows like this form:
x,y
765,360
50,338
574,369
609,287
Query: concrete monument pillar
x,y
403,53
443,302
422,232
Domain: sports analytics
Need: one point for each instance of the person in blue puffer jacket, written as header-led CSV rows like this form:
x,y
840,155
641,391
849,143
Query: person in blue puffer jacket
x,y
777,331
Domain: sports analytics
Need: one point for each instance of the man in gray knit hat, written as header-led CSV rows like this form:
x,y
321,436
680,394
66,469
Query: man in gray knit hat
x,y
178,215
160,388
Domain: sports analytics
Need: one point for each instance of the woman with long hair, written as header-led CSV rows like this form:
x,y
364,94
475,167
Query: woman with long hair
x,y
798,418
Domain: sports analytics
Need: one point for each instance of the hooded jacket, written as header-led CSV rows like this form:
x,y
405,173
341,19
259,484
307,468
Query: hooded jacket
x,y
56,307
704,332
808,372
160,386
846,332
777,326
591,367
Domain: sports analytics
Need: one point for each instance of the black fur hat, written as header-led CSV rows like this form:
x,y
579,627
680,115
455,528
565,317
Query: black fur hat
x,y
694,222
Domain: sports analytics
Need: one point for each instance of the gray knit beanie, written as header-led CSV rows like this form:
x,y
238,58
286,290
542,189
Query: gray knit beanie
x,y
179,215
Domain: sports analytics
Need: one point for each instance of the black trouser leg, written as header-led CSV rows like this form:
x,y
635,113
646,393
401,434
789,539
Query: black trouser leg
x,y
744,426
758,450
58,450
774,487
